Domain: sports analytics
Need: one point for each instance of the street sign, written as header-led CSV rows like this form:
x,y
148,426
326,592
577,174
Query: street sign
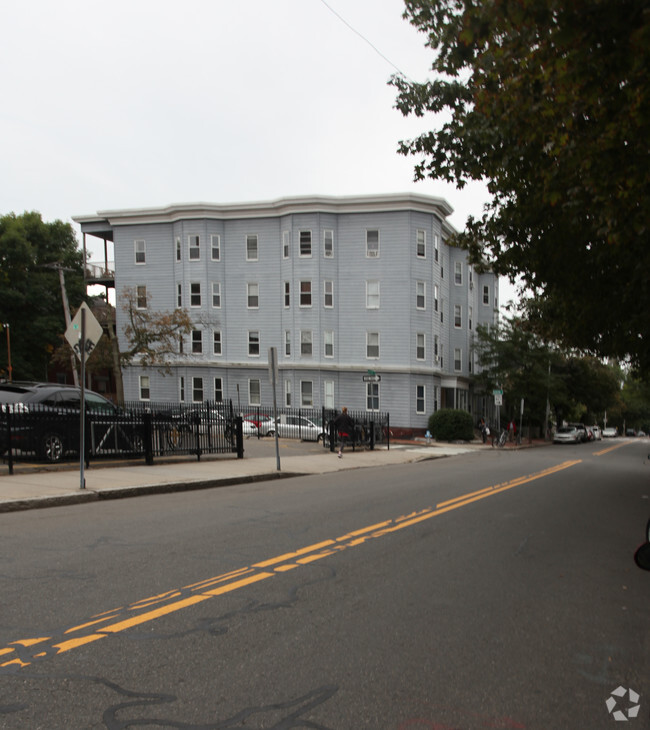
x,y
371,378
498,399
497,391
93,331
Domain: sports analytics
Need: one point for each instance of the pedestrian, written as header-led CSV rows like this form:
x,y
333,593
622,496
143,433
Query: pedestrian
x,y
345,427
483,429
512,430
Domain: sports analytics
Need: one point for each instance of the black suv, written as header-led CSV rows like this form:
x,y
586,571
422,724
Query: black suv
x,y
44,419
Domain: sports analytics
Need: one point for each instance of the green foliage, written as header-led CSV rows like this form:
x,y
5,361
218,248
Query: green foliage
x,y
451,425
548,101
30,291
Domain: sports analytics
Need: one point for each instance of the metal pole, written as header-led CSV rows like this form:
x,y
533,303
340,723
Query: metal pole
x,y
9,368
82,405
66,311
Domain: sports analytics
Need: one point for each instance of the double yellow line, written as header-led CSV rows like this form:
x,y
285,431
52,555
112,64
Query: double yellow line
x,y
24,652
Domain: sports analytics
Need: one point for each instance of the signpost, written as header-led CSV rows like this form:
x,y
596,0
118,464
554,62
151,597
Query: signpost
x,y
83,334
273,377
498,402
371,377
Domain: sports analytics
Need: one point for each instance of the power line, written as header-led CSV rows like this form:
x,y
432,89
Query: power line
x,y
354,30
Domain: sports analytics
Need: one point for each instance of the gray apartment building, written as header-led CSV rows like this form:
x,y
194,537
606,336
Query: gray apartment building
x,y
342,287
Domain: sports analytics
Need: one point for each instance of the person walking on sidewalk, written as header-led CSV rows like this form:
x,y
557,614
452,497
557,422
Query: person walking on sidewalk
x,y
345,427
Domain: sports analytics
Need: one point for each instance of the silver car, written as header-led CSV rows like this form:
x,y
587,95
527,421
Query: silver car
x,y
567,435
294,427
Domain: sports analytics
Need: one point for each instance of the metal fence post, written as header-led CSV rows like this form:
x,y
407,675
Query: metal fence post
x,y
10,455
147,427
239,435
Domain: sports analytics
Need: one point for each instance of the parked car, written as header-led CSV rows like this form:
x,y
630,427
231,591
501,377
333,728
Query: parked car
x,y
582,430
46,421
568,435
630,432
598,434
610,432
293,427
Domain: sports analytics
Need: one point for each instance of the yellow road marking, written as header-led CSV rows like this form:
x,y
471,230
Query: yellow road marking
x,y
178,599
611,448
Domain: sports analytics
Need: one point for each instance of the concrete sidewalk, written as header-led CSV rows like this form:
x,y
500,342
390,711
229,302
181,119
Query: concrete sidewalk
x,y
43,487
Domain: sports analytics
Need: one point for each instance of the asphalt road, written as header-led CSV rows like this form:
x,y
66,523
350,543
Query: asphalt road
x,y
494,590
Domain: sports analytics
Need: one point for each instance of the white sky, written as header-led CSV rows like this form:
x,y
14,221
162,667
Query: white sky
x,y
135,103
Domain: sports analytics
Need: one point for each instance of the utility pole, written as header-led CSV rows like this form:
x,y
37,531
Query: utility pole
x,y
9,368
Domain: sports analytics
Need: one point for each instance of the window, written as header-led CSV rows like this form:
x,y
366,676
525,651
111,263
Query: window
x,y
486,295
215,247
328,294
420,295
435,297
372,243
253,295
470,314
329,343
194,248
305,243
141,297
140,251
458,359
420,401
251,247
218,390
328,244
305,342
372,396
328,394
458,316
254,343
197,390
254,393
179,247
216,342
286,244
306,393
420,350
372,345
287,293
435,247
179,295
372,295
216,294
195,294
181,389
180,344
287,343
287,393
145,387
305,293
458,273
421,244
197,342
436,354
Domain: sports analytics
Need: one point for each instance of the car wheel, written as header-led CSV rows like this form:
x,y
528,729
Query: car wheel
x,y
53,448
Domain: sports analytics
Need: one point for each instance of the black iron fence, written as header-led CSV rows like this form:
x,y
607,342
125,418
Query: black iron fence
x,y
134,430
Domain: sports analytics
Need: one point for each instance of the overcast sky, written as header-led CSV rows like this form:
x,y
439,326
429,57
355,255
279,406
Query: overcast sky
x,y
134,103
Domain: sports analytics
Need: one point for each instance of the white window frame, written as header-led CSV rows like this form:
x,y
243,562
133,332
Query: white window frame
x,y
193,247
372,249
144,387
286,244
217,342
305,294
197,342
372,296
287,393
254,343
328,393
420,346
215,246
141,296
179,295
328,243
328,343
486,295
372,394
216,295
197,387
254,392
181,389
306,394
435,298
252,247
195,292
252,295
218,390
421,295
179,249
372,335
287,294
328,296
287,343
140,251
420,398
421,243
305,243
458,273
306,338
458,316
436,247
458,359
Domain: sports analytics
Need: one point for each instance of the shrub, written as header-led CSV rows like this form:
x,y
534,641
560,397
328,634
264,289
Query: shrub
x,y
451,425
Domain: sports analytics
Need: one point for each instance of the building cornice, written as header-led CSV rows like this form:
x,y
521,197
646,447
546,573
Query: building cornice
x,y
383,203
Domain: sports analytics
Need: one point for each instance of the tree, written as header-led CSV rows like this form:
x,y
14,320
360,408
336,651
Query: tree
x,y
30,291
548,101
152,336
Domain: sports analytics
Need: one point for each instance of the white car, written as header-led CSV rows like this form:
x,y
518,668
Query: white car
x,y
609,432
567,435
296,427
598,434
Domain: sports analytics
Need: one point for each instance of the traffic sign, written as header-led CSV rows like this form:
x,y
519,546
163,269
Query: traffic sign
x,y
92,327
497,391
371,378
498,399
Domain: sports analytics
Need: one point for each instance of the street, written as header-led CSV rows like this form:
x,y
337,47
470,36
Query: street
x,y
489,590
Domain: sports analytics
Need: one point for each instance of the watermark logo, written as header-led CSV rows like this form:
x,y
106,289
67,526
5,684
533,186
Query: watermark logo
x,y
621,710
